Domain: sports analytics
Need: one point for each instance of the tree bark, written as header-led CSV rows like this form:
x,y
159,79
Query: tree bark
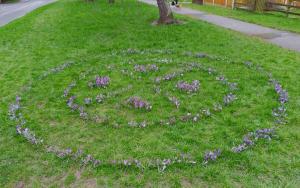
x,y
165,12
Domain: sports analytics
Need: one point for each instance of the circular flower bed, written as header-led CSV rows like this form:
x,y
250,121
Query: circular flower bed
x,y
149,93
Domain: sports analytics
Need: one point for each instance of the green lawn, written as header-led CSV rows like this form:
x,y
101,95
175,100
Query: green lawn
x,y
98,39
269,19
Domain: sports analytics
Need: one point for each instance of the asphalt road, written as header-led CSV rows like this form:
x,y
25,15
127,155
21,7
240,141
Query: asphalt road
x,y
12,11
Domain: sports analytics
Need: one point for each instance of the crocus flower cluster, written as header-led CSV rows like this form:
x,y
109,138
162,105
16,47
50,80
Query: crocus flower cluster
x,y
162,164
190,117
232,85
142,124
211,70
57,69
85,159
218,107
251,137
61,153
229,98
72,105
187,117
88,159
100,119
14,109
87,101
145,68
175,101
82,113
153,67
199,66
206,112
221,78
211,156
102,97
68,89
132,162
164,61
266,133
187,68
169,76
140,68
283,94
280,112
188,87
16,116
28,135
169,121
243,146
138,103
100,81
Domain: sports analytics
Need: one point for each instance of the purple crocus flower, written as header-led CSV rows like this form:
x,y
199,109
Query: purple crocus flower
x,y
211,155
100,98
229,98
251,137
138,103
87,101
283,94
153,67
140,68
14,108
184,86
175,101
102,81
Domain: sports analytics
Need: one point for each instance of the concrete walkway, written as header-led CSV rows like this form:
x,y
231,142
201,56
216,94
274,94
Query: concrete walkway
x,y
12,11
281,38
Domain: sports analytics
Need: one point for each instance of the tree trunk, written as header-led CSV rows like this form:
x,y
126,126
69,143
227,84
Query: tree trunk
x,y
165,12
199,2
111,1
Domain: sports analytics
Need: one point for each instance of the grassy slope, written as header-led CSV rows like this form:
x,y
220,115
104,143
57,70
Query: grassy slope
x,y
84,31
273,20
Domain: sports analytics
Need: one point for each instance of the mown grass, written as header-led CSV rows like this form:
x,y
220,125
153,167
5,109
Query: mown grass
x,y
87,33
269,19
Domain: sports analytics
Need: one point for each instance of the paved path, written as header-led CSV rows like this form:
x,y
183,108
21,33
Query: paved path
x,y
281,38
12,11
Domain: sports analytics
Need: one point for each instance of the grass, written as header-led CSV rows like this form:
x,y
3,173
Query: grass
x,y
269,19
88,33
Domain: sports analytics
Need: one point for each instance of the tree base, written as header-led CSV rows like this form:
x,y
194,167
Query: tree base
x,y
166,22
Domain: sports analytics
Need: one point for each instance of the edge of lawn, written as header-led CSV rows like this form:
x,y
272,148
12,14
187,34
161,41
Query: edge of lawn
x,y
197,7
